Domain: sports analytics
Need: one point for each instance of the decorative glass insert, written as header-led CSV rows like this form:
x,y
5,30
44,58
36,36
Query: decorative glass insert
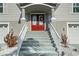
x,y
73,25
40,18
76,7
1,7
4,25
34,18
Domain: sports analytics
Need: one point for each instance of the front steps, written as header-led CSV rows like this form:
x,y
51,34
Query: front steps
x,y
37,44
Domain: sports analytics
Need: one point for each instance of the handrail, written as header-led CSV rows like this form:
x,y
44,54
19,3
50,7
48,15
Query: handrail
x,y
57,37
60,49
22,30
21,37
55,31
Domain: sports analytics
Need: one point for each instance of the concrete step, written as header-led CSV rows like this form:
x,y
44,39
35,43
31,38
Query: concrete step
x,y
37,39
39,53
43,45
39,48
36,34
37,44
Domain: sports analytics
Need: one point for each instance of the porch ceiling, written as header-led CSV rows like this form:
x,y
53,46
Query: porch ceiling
x,y
38,9
23,4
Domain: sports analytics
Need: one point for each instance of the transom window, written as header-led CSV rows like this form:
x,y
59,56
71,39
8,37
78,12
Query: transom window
x,y
76,7
1,7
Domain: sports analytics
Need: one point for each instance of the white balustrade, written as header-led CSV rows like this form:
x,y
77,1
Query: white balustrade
x,y
21,37
55,36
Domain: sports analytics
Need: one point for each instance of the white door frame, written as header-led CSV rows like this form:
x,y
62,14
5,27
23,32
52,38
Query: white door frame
x,y
5,23
44,19
68,27
3,30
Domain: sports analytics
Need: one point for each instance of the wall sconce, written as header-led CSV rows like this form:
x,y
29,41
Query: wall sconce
x,y
53,15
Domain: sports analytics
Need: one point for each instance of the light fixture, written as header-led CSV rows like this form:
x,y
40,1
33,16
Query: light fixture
x,y
53,18
22,18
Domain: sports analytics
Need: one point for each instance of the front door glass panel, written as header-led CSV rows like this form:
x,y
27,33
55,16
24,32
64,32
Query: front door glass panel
x,y
34,20
37,22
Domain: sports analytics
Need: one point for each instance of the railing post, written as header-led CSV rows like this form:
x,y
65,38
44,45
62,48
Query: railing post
x,y
23,14
20,38
54,32
53,15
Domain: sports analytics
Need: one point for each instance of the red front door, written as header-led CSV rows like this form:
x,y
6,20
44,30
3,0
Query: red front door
x,y
37,22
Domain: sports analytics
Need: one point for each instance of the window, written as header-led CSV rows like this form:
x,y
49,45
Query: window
x,y
1,7
73,25
76,7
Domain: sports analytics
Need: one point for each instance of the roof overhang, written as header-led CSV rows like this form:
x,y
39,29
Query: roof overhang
x,y
44,4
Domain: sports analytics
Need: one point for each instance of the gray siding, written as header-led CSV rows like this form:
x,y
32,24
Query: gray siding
x,y
59,25
11,12
16,27
64,13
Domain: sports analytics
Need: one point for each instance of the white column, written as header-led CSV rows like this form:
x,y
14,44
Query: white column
x,y
52,10
53,14
23,14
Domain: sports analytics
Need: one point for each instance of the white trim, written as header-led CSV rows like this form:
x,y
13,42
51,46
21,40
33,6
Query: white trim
x,y
23,14
67,31
5,23
72,7
68,28
3,31
21,37
38,13
72,10
22,29
36,4
45,22
56,31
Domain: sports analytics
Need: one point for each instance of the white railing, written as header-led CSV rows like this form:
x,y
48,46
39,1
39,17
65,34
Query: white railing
x,y
55,36
55,31
21,37
57,40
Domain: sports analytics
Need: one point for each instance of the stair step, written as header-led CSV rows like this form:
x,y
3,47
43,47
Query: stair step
x,y
36,34
37,39
32,36
39,53
32,54
38,48
37,44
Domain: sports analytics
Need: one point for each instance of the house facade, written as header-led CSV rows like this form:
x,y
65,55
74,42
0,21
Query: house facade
x,y
37,18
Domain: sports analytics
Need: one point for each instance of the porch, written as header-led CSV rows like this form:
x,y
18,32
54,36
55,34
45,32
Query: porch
x,y
38,16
